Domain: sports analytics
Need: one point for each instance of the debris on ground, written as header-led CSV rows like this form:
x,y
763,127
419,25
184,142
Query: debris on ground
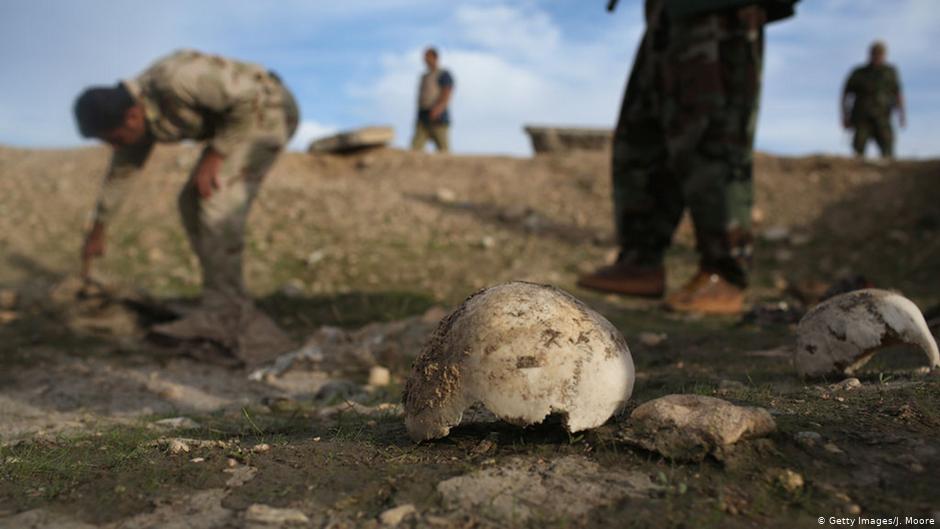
x,y
524,351
353,141
260,513
522,489
840,335
392,517
690,427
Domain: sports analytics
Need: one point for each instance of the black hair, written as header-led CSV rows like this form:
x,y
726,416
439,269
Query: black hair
x,y
432,50
101,109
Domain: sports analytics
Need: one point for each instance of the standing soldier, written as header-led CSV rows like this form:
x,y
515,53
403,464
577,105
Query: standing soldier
x,y
434,91
871,93
244,114
684,139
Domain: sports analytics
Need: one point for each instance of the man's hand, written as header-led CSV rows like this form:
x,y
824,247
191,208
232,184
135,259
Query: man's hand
x,y
436,112
94,247
846,123
207,173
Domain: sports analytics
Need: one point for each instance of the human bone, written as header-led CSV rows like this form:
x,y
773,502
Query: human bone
x,y
523,351
841,334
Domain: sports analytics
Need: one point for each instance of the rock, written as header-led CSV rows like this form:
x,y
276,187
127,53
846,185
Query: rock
x,y
178,446
689,427
776,234
355,140
177,423
841,334
832,448
447,196
567,139
395,515
523,351
790,481
338,390
260,513
240,474
846,385
8,299
487,242
808,439
293,288
261,448
524,488
652,339
379,376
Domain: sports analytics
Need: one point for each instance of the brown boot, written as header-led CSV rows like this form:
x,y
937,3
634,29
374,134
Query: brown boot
x,y
707,293
628,279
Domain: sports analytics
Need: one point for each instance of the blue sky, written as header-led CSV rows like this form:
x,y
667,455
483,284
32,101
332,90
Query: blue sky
x,y
356,62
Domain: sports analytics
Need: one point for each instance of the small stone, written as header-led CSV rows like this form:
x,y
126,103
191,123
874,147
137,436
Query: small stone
x,y
261,448
8,299
916,467
847,384
270,515
487,242
445,195
197,460
652,339
314,257
689,427
181,423
776,233
790,481
832,448
178,446
394,516
379,376
854,509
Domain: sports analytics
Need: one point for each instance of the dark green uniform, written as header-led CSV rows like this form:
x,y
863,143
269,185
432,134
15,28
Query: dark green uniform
x,y
685,134
876,90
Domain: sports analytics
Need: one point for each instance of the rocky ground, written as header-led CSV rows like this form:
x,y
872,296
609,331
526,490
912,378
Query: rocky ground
x,y
358,258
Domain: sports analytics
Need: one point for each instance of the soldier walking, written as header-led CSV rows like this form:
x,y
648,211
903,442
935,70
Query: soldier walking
x,y
684,139
434,91
872,92
244,114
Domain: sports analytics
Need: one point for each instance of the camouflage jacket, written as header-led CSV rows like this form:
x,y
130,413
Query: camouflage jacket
x,y
876,90
195,96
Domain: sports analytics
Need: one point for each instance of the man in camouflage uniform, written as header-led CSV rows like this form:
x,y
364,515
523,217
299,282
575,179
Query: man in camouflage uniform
x,y
871,93
684,139
244,114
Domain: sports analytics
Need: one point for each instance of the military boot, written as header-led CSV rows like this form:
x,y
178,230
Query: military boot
x,y
627,278
707,293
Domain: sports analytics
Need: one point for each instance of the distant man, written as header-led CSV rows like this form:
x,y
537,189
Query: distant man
x,y
872,92
244,114
685,139
434,92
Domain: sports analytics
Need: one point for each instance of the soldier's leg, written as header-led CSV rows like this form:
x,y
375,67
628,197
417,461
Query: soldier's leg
x,y
647,200
439,135
884,136
222,220
188,204
421,136
861,137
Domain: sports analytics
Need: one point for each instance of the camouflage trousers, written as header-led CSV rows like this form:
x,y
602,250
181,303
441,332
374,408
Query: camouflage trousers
x,y
873,127
684,139
215,226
